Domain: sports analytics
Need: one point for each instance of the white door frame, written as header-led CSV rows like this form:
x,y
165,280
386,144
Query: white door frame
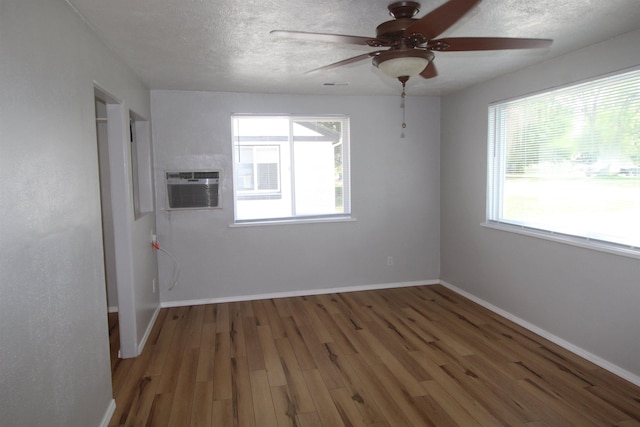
x,y
122,213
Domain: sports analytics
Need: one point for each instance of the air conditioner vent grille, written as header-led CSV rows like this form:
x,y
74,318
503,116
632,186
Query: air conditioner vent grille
x,y
193,190
202,175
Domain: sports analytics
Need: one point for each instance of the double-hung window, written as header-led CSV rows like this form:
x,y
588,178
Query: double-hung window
x,y
566,163
290,167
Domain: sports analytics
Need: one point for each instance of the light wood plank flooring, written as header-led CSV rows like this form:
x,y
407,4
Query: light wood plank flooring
x,y
420,356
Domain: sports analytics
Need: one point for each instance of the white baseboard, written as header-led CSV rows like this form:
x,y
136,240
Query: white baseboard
x,y
152,322
113,309
108,414
297,293
615,369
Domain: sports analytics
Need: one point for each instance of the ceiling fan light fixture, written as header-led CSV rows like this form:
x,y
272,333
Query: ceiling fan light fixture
x,y
398,63
403,67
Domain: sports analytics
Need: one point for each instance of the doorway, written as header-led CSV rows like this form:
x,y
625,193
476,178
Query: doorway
x,y
108,233
112,131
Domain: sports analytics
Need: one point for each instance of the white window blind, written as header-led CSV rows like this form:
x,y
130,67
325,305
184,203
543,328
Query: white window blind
x,y
567,161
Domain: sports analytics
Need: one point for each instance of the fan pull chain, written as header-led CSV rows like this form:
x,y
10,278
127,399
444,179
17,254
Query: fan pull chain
x,y
403,80
404,95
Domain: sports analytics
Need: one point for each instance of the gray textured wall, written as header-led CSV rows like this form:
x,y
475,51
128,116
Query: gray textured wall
x,y
395,199
587,298
54,352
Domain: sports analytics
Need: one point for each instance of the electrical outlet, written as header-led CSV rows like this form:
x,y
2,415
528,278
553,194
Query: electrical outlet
x,y
153,284
389,260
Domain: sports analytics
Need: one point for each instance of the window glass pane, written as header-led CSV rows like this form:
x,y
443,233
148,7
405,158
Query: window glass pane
x,y
315,159
339,174
568,160
245,154
292,168
244,176
244,169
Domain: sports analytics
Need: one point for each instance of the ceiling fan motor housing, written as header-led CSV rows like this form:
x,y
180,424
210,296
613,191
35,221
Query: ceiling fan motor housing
x,y
404,9
394,31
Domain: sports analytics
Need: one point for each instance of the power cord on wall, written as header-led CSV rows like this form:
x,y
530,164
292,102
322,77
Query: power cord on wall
x,y
176,266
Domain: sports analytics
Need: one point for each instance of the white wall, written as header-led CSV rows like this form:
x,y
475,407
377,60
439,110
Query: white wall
x,y
54,353
395,199
587,298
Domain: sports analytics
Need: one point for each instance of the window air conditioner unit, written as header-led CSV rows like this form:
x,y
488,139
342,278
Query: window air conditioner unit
x,y
193,190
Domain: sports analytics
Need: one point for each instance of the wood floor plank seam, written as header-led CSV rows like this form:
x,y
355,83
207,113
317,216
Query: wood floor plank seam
x,y
415,356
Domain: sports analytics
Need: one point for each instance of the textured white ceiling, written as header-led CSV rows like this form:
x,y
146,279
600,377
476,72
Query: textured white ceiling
x,y
225,45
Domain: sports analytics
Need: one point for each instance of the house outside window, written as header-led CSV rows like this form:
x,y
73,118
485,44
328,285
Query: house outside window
x,y
258,170
566,163
290,167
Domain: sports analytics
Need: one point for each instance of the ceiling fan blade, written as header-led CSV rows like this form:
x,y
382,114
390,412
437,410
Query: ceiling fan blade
x,y
345,62
333,38
429,71
460,44
439,20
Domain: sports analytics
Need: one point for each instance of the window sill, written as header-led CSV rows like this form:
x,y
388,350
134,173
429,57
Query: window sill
x,y
288,221
582,242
